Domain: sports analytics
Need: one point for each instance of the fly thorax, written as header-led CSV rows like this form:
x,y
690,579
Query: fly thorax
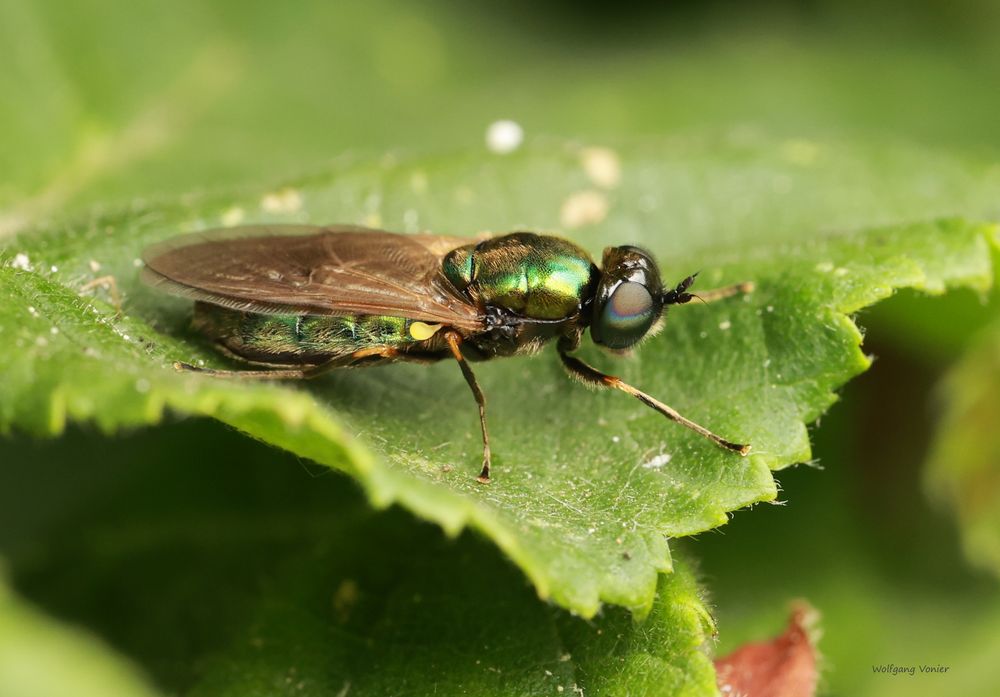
x,y
509,334
527,274
458,267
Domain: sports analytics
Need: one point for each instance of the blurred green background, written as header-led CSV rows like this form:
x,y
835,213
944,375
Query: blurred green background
x,y
104,103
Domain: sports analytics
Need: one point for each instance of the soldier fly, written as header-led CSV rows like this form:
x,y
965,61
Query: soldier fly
x,y
299,300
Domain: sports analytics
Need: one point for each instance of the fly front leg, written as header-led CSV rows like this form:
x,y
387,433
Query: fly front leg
x,y
454,343
592,376
710,296
680,294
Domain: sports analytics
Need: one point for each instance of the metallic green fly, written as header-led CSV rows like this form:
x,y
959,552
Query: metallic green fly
x,y
301,300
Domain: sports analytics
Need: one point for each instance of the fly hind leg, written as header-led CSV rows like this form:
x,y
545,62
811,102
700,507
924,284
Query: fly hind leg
x,y
111,286
268,374
362,356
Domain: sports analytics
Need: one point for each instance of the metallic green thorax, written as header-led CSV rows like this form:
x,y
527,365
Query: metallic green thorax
x,y
533,276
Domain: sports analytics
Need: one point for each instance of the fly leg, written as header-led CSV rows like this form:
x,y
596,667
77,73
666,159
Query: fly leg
x,y
277,374
709,296
592,376
110,285
454,342
303,373
680,294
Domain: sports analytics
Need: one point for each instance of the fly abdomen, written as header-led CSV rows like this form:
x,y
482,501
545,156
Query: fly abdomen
x,y
307,339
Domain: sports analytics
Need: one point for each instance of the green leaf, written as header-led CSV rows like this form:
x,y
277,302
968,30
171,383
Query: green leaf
x,y
40,658
963,471
238,573
860,542
585,494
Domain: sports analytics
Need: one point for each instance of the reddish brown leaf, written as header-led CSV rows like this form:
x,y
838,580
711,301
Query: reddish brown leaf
x,y
782,667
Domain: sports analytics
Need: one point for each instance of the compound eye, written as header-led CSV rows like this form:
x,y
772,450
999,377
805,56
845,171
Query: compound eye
x,y
626,316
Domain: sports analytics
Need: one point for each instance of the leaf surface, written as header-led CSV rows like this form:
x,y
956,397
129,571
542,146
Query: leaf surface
x,y
241,573
588,486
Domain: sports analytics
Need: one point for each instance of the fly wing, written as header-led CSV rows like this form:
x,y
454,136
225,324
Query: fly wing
x,y
336,270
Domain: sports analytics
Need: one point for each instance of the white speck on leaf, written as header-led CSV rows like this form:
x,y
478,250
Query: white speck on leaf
x,y
657,462
137,262
602,165
504,136
286,200
94,265
53,268
32,311
21,262
587,207
725,324
232,216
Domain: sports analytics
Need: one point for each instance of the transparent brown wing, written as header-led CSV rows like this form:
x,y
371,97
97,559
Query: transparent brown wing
x,y
304,269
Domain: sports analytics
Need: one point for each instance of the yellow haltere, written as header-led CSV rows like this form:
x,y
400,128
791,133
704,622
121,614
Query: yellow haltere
x,y
421,330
